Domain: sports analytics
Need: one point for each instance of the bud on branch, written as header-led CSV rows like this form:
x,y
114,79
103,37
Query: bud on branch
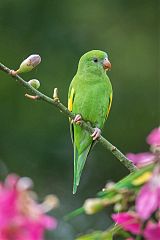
x,y
34,83
29,63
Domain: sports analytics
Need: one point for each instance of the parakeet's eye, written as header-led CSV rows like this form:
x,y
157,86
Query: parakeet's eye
x,y
95,60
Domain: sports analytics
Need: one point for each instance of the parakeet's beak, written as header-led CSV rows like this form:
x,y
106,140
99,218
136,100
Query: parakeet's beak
x,y
106,64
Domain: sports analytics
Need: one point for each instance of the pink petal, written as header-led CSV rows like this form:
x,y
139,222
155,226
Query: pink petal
x,y
11,180
152,231
8,205
141,159
129,221
48,222
154,137
21,217
147,201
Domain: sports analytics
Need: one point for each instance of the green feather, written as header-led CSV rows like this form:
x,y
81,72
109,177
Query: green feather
x,y
79,162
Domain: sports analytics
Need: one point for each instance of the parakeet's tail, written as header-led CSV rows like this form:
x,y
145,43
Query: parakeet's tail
x,y
79,161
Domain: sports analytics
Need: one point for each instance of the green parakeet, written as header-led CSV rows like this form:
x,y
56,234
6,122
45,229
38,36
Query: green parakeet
x,y
90,98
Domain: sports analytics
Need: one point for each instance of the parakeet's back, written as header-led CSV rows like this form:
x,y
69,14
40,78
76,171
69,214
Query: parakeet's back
x,y
90,95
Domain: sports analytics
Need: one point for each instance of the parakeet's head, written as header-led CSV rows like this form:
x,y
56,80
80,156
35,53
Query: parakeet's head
x,y
94,61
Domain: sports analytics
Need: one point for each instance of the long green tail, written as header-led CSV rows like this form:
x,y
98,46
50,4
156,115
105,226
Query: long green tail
x,y
79,161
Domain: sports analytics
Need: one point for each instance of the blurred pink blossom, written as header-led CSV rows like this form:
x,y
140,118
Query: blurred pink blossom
x,y
152,231
154,137
141,159
148,199
21,217
129,221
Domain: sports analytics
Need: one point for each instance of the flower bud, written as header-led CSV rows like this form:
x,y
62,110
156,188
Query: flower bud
x,y
24,183
110,185
29,63
34,83
93,205
118,207
50,202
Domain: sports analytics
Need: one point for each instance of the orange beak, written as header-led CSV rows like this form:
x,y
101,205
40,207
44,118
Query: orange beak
x,y
106,64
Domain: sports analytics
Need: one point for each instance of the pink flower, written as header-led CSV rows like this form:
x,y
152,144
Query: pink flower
x,y
129,221
154,137
152,231
21,217
141,159
148,199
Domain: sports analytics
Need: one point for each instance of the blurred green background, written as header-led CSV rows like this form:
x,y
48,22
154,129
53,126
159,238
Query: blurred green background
x,y
34,136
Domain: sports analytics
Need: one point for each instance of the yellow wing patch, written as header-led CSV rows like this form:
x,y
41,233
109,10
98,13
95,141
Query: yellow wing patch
x,y
110,103
70,100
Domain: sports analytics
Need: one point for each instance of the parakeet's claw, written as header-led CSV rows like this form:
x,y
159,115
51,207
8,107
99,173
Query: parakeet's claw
x,y
77,119
96,134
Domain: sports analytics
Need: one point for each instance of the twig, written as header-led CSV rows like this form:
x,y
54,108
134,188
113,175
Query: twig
x,y
55,101
32,97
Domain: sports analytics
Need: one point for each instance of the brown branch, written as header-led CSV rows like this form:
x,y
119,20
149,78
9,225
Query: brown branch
x,y
56,103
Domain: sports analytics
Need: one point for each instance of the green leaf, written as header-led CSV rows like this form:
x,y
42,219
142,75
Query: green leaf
x,y
110,234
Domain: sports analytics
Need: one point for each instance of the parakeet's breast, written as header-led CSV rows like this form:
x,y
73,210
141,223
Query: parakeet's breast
x,y
92,100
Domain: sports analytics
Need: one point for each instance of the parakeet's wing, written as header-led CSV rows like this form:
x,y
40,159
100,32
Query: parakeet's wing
x,y
110,103
71,95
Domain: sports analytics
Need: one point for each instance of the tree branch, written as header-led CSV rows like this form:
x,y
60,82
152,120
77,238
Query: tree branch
x,y
55,102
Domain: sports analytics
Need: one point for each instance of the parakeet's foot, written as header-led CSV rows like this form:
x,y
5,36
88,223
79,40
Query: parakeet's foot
x,y
77,119
96,134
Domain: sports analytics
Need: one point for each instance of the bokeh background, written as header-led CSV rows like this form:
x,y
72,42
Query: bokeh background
x,y
34,136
